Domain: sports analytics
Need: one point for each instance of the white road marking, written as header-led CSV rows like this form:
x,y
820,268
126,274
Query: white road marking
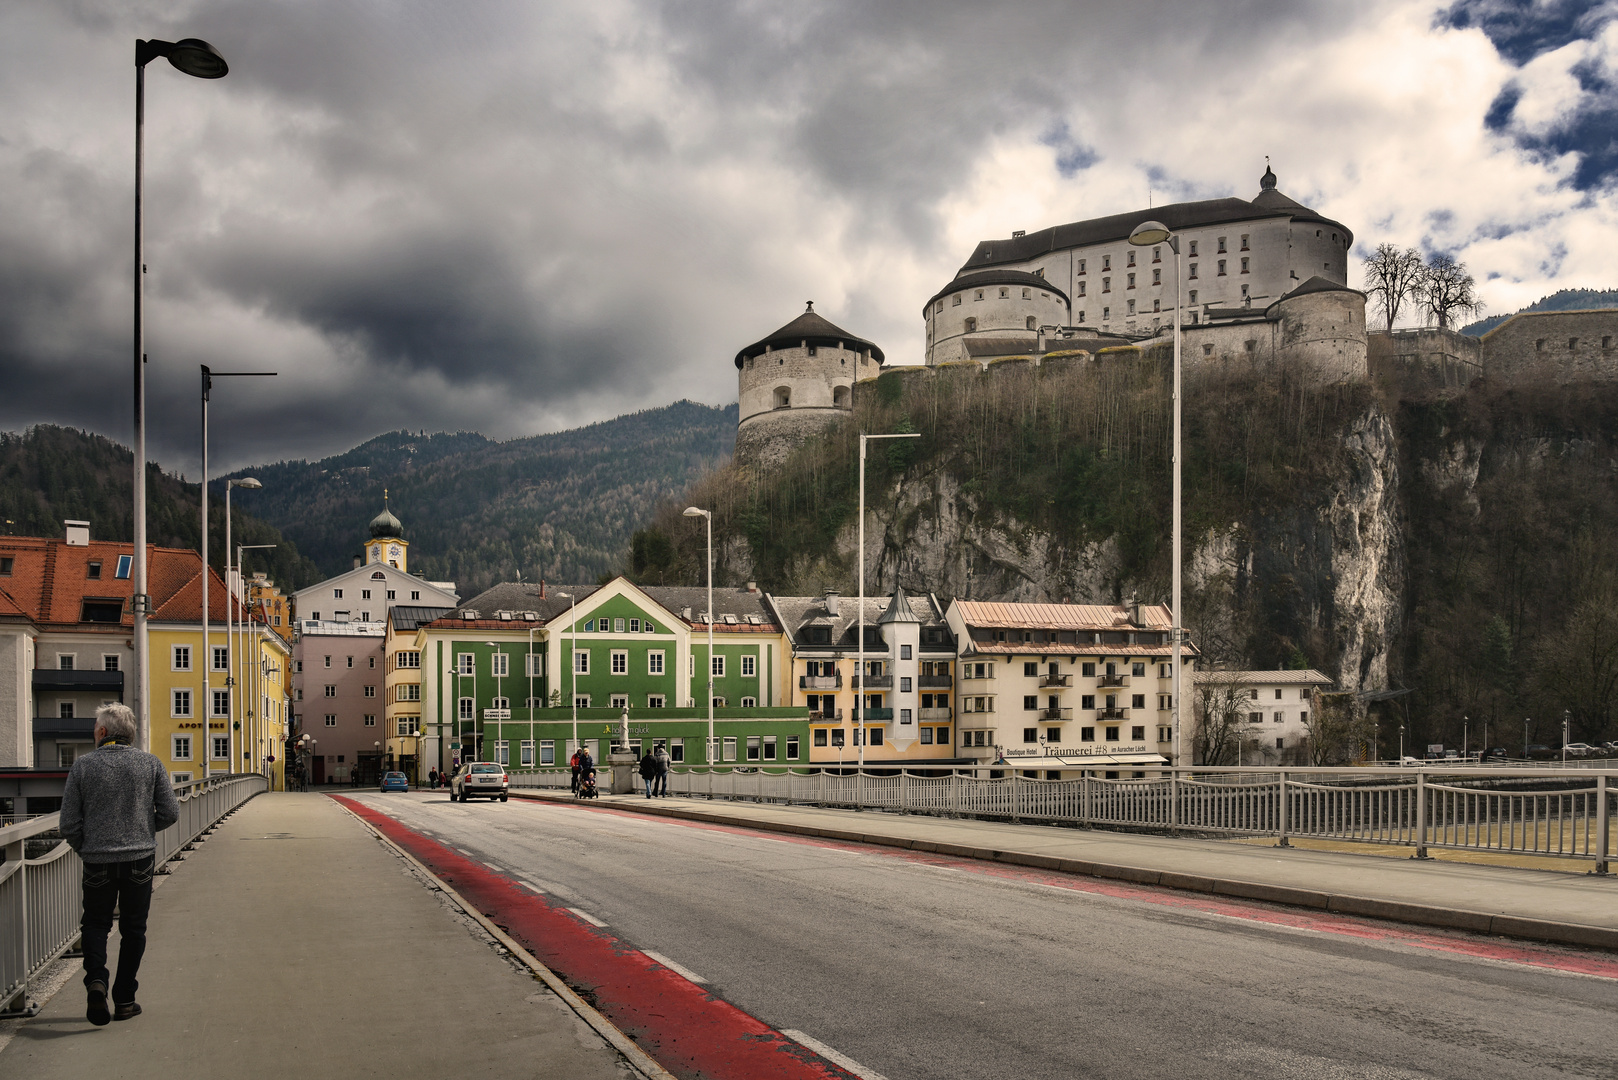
x,y
495,868
531,885
833,1056
463,851
676,968
587,917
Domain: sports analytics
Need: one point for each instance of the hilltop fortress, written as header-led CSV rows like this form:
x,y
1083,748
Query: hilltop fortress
x,y
1265,282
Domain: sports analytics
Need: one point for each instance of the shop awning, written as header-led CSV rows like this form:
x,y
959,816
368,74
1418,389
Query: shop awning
x,y
1087,761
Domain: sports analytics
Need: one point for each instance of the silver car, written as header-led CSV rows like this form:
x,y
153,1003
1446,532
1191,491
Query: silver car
x,y
480,779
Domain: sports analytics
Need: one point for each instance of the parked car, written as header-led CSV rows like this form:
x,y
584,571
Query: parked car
x,y
395,781
1539,750
481,779
1581,749
1496,753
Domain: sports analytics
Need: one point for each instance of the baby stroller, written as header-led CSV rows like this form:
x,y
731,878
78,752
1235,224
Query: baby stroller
x,y
587,786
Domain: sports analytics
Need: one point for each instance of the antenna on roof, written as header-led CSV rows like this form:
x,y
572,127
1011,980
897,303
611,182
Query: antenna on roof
x,y
808,306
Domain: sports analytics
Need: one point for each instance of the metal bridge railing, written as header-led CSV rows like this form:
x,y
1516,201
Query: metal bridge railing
x,y
40,900
1548,811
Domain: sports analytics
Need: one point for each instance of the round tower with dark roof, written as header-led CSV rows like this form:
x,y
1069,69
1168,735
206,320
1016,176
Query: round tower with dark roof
x,y
795,383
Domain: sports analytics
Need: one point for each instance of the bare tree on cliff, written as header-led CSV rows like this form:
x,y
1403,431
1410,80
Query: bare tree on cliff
x,y
1392,279
1447,290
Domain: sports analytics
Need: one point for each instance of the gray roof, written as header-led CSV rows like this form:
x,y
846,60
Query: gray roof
x,y
898,609
524,596
1318,284
985,278
798,613
412,618
811,328
1269,203
738,603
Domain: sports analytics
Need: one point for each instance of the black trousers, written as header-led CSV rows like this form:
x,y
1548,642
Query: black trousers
x,y
128,887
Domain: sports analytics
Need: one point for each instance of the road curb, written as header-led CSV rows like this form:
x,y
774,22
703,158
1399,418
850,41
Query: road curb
x,y
1481,922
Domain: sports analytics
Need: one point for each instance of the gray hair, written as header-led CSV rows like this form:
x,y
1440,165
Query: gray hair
x,y
118,721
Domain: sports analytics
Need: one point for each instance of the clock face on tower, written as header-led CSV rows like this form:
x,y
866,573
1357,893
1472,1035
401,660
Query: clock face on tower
x,y
393,551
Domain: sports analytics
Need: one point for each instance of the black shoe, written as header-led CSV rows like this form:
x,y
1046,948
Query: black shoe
x,y
96,1009
126,1011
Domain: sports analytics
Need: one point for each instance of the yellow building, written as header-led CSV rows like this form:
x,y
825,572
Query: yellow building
x,y
402,688
222,708
264,598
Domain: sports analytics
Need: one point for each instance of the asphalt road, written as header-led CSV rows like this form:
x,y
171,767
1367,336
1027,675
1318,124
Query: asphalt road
x,y
921,967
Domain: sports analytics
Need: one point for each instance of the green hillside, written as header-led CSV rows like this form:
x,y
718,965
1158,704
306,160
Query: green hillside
x,y
1565,300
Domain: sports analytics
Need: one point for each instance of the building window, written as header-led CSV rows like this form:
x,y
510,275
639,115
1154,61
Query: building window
x,y
500,664
1030,734
1221,245
1131,284
180,703
1157,305
331,719
221,702
581,701
365,594
749,667
415,594
181,658
351,661
956,302
1106,284
1193,296
1132,307
1106,314
979,295
464,663
1245,264
331,690
581,661
502,752
655,701
547,751
792,747
1244,242
180,748
1221,267
654,662
718,667
465,708
407,692
221,747
729,748
971,324
620,662
1278,717
1083,285
1193,276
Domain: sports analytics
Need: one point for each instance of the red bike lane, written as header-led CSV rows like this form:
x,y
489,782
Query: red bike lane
x,y
686,1029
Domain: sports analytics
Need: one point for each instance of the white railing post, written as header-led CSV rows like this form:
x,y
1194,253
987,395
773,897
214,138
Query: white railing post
x,y
1421,814
1284,819
1174,800
1603,824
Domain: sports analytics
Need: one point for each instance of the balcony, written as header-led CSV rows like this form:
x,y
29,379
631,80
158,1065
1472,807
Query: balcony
x,y
1056,714
1113,680
1051,682
933,681
820,682
52,679
935,714
826,716
874,682
1111,714
876,716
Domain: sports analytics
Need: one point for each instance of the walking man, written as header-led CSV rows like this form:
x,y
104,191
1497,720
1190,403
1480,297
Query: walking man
x,y
663,766
648,772
116,800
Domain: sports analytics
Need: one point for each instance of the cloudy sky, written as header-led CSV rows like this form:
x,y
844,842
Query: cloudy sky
x,y
517,216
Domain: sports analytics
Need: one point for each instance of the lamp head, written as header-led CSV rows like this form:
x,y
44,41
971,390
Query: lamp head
x,y
248,482
692,511
1149,232
191,55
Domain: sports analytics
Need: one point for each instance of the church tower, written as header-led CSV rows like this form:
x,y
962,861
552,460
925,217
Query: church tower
x,y
795,383
385,544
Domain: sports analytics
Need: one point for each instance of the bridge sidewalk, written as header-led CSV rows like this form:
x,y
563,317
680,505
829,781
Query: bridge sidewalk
x,y
1567,908
292,942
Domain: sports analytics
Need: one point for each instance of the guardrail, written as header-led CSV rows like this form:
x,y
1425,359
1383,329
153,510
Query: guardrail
x,y
1549,812
40,900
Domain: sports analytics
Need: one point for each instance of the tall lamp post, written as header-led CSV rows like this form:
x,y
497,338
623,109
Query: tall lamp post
x,y
238,650
573,677
1146,234
197,58
860,733
692,511
500,693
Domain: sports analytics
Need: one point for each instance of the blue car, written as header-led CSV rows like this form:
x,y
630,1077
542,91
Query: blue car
x,y
395,781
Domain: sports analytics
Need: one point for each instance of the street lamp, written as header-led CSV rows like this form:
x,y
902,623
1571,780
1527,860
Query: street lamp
x,y
859,647
500,694
1146,234
692,511
197,58
573,680
378,744
238,651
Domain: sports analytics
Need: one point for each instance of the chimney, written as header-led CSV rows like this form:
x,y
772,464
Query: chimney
x,y
356,562
831,603
686,614
78,533
542,588
752,587
1136,613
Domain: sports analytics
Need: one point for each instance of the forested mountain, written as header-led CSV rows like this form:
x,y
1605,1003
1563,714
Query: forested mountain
x,y
561,506
50,474
1563,300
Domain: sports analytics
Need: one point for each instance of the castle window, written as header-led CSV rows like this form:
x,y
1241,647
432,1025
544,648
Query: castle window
x,y
938,308
1031,323
839,397
1572,343
1251,345
1157,254
783,397
1081,318
1540,344
1026,293
1245,297
1130,255
1131,281
1221,267
1005,293
1193,251
813,351
979,295
1244,243
1193,297
1193,274
1106,314
1082,286
1317,234
1222,244
1207,349
971,324
1157,277
1193,318
1245,267
1334,238
1157,305
1106,262
1081,265
1606,342
1106,284
957,301
1132,307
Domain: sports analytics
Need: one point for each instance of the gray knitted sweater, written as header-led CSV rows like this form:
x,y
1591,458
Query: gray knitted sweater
x,y
116,800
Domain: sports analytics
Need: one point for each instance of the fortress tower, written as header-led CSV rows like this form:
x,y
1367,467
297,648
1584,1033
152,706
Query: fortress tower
x,y
796,382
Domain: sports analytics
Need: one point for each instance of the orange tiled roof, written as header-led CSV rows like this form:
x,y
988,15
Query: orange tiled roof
x,y
1061,616
50,580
